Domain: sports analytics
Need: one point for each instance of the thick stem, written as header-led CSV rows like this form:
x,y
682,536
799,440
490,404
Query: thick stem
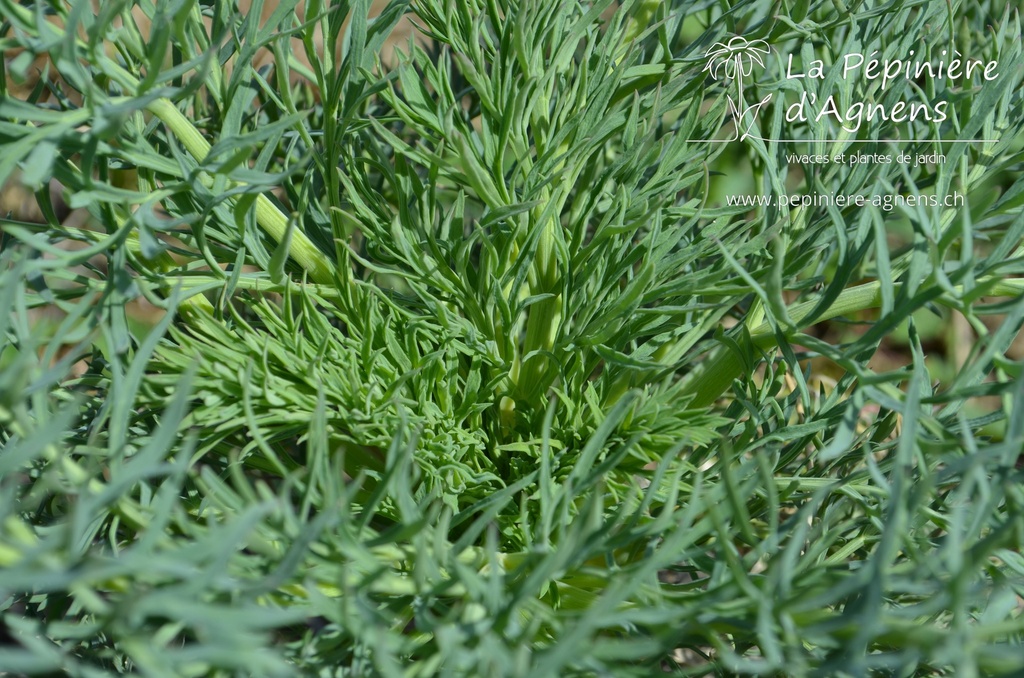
x,y
739,87
273,221
544,317
268,216
708,384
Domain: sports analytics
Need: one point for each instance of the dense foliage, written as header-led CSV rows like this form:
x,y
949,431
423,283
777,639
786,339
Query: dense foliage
x,y
442,354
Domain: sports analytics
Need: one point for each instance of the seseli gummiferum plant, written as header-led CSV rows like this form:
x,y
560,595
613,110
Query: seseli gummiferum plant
x,y
460,368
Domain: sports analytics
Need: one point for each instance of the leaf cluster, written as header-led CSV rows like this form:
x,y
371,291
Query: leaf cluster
x,y
459,369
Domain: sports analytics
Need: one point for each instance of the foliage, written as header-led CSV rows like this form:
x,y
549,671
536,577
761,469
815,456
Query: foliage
x,y
461,371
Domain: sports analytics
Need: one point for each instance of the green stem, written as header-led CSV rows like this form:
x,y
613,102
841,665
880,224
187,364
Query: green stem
x,y
544,316
708,384
273,221
739,89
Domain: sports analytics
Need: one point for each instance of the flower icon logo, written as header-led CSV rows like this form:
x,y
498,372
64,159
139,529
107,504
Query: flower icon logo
x,y
736,57
735,60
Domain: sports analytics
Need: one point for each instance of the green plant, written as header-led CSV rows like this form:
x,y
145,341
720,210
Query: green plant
x,y
460,372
